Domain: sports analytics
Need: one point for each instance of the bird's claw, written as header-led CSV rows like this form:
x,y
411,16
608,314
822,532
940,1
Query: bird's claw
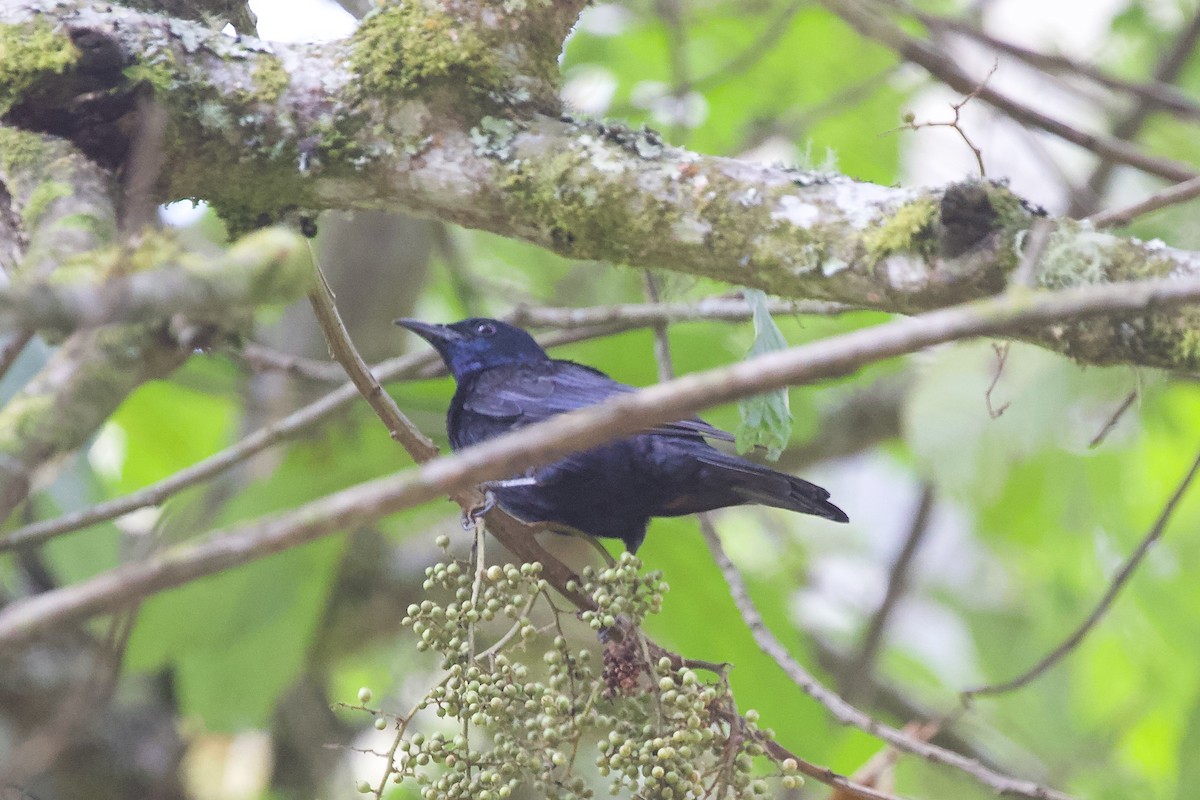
x,y
471,517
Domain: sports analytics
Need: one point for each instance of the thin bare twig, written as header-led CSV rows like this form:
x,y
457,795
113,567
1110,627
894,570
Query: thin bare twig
x,y
866,19
849,787
549,440
880,767
1167,71
662,342
553,438
1171,196
215,464
260,358
513,534
419,446
1114,419
891,700
12,349
726,309
956,124
1114,588
415,365
1001,351
861,669
1159,94
842,711
575,324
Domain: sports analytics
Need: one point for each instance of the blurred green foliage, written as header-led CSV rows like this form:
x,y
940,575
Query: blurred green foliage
x,y
1029,526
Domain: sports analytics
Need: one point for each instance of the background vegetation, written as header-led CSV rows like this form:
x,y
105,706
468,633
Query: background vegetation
x,y
1014,481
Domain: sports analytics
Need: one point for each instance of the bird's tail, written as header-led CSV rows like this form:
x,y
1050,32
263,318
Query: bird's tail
x,y
758,484
802,496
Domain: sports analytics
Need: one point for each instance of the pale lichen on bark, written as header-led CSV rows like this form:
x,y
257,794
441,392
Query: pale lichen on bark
x,y
448,109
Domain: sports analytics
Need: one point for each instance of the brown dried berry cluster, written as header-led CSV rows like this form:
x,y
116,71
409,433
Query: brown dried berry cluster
x,y
624,666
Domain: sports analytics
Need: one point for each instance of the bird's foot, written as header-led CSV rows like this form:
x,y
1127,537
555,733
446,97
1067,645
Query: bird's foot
x,y
471,517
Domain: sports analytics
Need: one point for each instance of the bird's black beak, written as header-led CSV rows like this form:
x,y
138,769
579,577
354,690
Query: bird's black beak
x,y
431,332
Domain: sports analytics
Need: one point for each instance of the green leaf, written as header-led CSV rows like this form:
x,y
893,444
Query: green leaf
x,y
236,640
766,418
163,427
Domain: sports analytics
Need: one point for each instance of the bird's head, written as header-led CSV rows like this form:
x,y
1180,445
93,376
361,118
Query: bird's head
x,y
476,344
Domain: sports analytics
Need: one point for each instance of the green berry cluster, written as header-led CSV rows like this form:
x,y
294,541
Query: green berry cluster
x,y
524,709
684,740
621,592
502,592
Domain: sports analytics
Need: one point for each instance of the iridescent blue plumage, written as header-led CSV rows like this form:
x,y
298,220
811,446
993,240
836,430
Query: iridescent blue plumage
x,y
506,381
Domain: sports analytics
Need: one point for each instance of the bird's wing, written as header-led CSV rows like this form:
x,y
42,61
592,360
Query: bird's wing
x,y
694,426
531,392
527,393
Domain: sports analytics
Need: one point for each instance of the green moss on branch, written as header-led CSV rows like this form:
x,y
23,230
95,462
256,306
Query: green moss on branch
x,y
910,229
29,53
403,46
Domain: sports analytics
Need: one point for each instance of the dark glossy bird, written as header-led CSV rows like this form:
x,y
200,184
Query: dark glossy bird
x,y
506,381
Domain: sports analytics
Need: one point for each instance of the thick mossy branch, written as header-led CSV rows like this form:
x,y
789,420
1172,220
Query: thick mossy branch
x,y
63,200
68,273
603,192
226,116
1076,254
157,280
78,389
414,113
95,369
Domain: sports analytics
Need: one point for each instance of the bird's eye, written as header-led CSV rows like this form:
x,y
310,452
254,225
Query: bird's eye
x,y
485,329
